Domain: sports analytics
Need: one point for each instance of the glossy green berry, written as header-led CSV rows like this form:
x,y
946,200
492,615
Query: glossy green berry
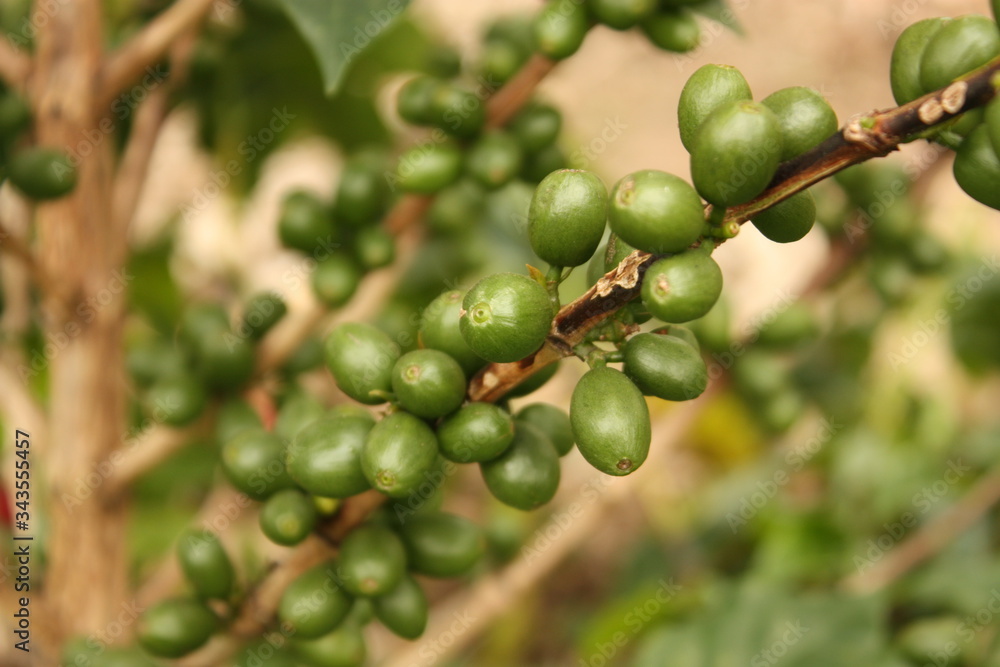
x,y
428,383
526,476
459,112
254,462
683,287
415,103
404,609
429,168
958,47
398,455
153,359
494,160
176,400
610,421
261,312
344,647
621,14
513,29
789,220
674,30
315,603
655,211
361,358
324,458
736,153
202,320
444,61
534,382
561,27
536,127
991,117
288,517
205,564
805,118
456,208
304,223
567,217
788,328
506,317
440,330
539,165
375,248
904,67
439,544
665,367
500,60
551,421
977,168
176,627
372,561
306,357
234,417
362,192
298,410
710,87
15,115
335,279
224,360
477,432
42,173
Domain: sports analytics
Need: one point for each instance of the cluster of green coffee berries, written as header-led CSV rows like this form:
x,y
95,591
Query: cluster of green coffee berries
x,y
39,173
929,55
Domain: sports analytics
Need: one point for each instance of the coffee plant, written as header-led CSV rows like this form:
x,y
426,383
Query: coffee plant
x,y
372,461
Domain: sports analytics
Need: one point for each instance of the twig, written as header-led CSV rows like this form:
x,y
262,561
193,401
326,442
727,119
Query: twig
x,y
17,248
136,458
15,65
875,135
931,538
149,46
512,97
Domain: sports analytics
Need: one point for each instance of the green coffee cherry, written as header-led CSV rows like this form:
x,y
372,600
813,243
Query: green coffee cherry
x,y
494,160
362,192
361,358
399,453
561,27
404,609
372,561
610,421
904,67
992,119
713,330
977,168
456,208
335,280
254,462
235,416
536,127
507,317
442,545
288,517
514,29
440,330
224,361
607,258
42,173
428,383
736,153
534,382
314,604
958,47
551,421
261,312
427,169
344,647
477,432
665,367
709,88
656,212
173,628
298,410
304,223
205,564
457,111
683,287
789,328
539,165
15,115
153,359
500,60
788,220
306,357
806,119
526,476
567,217
674,30
415,103
201,321
621,14
375,248
176,400
325,457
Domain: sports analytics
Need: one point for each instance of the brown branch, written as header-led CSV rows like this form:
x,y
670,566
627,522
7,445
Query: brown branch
x,y
513,96
15,66
150,449
874,135
17,248
148,47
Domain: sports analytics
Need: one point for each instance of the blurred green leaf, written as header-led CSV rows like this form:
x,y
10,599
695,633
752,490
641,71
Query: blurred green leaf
x,y
338,32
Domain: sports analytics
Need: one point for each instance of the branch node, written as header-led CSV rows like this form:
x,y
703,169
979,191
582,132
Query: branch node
x,y
930,111
953,97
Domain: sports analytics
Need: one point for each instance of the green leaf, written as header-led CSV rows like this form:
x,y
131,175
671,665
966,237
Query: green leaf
x,y
338,32
719,10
